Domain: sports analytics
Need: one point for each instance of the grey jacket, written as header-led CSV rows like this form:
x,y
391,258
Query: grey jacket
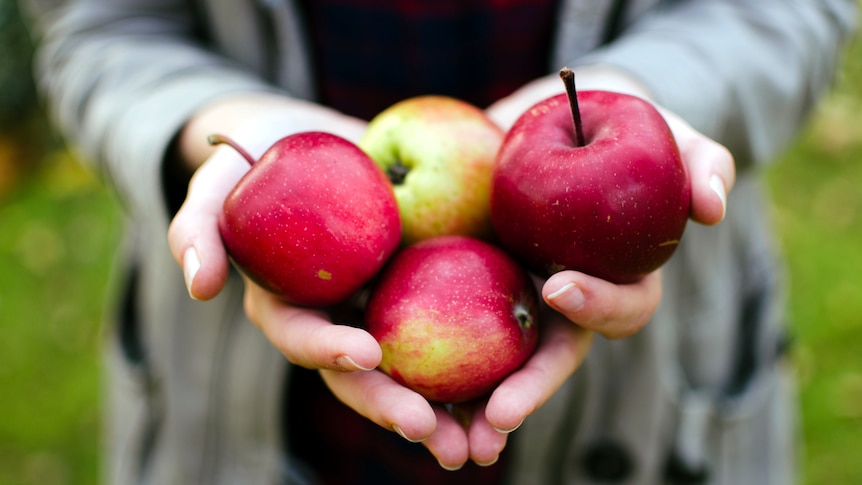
x,y
194,389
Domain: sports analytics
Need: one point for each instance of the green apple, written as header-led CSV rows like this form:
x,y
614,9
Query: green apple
x,y
439,154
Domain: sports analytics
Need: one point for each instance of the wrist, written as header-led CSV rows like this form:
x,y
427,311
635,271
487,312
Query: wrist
x,y
225,115
267,116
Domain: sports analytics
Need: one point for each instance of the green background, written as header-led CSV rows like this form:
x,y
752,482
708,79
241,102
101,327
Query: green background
x,y
60,231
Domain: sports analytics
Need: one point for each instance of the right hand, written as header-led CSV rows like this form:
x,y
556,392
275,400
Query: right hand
x,y
255,122
306,337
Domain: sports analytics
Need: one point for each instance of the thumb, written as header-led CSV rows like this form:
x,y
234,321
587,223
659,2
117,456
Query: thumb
x,y
193,235
710,167
615,311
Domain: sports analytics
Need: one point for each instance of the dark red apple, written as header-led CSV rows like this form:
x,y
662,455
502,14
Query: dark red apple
x,y
607,195
454,316
312,221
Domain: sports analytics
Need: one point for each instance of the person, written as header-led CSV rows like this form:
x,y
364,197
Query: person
x,y
677,378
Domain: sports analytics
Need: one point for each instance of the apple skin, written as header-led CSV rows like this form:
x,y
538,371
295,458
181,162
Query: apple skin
x,y
454,316
615,208
447,148
312,221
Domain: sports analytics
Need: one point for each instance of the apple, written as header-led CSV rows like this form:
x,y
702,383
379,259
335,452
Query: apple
x,y
312,221
438,153
454,316
607,194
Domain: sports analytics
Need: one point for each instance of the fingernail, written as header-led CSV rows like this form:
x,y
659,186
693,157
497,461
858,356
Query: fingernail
x,y
488,463
507,431
717,186
346,363
400,432
450,468
569,298
191,265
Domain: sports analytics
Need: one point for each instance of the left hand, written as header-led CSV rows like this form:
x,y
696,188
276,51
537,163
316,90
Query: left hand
x,y
618,311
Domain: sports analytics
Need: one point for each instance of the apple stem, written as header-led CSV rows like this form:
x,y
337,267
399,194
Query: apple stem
x,y
568,77
397,173
216,139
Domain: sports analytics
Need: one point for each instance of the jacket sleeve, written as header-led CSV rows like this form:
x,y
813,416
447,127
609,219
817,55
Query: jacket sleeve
x,y
743,72
120,79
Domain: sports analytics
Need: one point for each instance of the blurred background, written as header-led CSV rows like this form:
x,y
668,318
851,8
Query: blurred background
x,y
60,229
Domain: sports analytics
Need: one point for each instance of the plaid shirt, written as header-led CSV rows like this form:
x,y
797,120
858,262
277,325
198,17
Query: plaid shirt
x,y
369,55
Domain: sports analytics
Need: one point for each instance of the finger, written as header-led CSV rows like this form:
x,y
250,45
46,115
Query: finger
x,y
448,443
562,348
486,443
193,235
711,170
615,311
390,405
307,338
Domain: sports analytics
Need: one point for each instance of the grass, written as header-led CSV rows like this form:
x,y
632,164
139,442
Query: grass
x,y
60,230
58,233
816,189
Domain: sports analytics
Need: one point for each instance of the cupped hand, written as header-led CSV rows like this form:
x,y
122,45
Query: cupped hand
x,y
306,337
255,122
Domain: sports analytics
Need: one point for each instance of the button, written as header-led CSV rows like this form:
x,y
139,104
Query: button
x,y
678,472
606,461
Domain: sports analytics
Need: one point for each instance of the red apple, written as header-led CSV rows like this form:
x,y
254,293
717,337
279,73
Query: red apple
x,y
454,316
608,196
312,221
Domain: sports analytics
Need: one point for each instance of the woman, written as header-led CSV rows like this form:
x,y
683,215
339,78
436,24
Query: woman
x,y
198,395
